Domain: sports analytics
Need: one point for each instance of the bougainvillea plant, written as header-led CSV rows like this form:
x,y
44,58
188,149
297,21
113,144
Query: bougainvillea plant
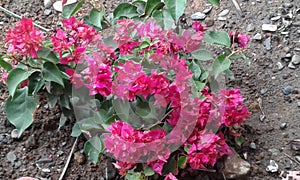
x,y
142,95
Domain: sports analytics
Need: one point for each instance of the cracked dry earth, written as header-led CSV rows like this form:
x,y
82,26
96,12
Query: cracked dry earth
x,y
270,85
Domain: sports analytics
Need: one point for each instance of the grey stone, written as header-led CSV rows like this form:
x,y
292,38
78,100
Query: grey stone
x,y
224,13
272,167
14,133
257,36
276,18
209,22
206,11
235,167
47,12
291,66
222,18
268,43
279,66
287,90
297,23
17,164
250,28
274,152
252,146
288,5
288,55
11,157
296,59
47,3
198,16
283,125
269,27
297,158
298,104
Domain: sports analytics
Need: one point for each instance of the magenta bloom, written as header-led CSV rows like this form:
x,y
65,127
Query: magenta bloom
x,y
24,38
239,38
198,26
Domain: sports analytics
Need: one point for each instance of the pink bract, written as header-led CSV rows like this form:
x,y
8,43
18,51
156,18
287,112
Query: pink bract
x,y
24,38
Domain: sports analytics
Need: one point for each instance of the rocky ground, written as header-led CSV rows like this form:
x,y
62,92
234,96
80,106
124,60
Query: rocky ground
x,y
270,85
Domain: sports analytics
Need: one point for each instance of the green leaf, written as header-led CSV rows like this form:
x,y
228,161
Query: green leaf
x,y
239,140
148,171
51,73
176,8
164,19
153,5
35,83
217,37
62,121
85,125
220,65
6,66
182,162
93,148
70,9
202,55
48,55
196,70
214,2
20,109
15,78
140,4
170,166
132,175
96,17
125,10
122,108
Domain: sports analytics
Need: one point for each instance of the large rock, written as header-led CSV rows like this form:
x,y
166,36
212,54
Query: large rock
x,y
235,167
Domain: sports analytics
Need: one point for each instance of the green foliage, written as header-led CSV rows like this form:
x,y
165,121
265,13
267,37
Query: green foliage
x,y
125,10
93,148
176,8
214,2
51,73
20,109
164,19
96,16
5,65
202,55
70,9
219,38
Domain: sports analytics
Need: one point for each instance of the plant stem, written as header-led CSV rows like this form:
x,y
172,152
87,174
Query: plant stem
x,y
160,121
20,17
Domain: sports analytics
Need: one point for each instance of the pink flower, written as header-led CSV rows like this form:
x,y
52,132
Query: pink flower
x,y
24,38
170,176
197,26
4,76
239,38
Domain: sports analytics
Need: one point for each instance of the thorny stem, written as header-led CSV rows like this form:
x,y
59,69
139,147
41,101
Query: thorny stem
x,y
20,17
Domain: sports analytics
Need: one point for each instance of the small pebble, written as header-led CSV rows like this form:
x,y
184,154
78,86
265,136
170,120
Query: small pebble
x,y
298,104
47,3
14,134
222,18
209,22
224,13
198,16
257,36
47,12
206,11
275,18
46,170
252,145
287,90
269,27
296,59
17,164
283,125
279,66
272,167
250,28
268,43
291,66
297,158
79,158
11,157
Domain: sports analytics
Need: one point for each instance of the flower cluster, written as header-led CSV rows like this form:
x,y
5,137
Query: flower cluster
x,y
71,43
129,146
240,39
24,38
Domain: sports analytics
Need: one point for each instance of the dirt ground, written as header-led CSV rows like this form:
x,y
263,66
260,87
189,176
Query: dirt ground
x,y
43,150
